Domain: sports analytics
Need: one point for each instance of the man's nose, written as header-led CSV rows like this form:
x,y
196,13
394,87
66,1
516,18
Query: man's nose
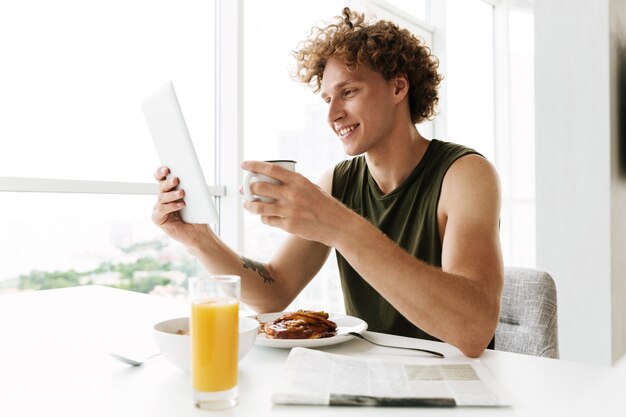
x,y
335,112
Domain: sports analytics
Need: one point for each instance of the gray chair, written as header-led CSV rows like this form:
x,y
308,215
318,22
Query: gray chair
x,y
528,316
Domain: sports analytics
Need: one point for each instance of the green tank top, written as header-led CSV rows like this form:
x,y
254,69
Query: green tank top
x,y
407,215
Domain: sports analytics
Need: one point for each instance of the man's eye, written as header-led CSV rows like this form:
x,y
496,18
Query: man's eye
x,y
348,93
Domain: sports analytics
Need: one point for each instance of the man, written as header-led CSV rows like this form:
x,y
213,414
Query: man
x,y
414,222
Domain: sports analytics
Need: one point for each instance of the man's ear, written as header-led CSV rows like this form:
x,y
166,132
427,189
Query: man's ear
x,y
401,86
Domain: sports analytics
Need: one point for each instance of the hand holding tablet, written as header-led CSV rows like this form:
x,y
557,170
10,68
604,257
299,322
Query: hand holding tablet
x,y
175,149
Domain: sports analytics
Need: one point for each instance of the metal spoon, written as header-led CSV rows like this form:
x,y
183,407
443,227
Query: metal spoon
x,y
432,352
130,361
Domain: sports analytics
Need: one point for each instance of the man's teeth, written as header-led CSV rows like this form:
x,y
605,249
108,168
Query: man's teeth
x,y
347,129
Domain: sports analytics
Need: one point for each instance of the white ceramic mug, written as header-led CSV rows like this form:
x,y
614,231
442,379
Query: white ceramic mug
x,y
252,177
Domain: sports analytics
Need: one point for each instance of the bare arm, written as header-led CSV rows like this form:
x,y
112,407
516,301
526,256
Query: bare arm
x,y
265,287
458,303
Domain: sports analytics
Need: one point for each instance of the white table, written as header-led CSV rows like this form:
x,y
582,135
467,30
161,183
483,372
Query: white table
x,y
54,362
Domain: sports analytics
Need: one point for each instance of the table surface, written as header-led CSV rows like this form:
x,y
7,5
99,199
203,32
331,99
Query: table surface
x,y
54,362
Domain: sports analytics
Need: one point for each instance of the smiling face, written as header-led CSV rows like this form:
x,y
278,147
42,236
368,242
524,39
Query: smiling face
x,y
362,106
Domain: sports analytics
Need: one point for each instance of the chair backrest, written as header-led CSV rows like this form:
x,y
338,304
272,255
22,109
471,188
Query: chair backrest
x,y
528,314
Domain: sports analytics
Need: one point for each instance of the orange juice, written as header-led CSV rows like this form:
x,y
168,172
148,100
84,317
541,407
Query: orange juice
x,y
214,344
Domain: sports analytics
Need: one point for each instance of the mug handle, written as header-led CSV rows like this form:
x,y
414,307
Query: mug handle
x,y
248,179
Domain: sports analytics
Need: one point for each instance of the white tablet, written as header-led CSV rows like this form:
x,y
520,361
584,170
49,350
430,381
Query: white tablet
x,y
175,149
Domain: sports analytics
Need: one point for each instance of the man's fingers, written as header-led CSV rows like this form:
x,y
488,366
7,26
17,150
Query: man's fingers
x,y
271,220
261,208
168,184
267,168
165,184
170,196
161,173
266,189
161,211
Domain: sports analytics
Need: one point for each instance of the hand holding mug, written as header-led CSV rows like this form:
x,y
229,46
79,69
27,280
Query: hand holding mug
x,y
303,208
252,177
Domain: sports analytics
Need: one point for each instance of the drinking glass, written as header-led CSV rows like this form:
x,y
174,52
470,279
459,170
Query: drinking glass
x,y
214,328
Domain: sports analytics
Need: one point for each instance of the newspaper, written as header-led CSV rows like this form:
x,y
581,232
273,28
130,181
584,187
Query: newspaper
x,y
317,378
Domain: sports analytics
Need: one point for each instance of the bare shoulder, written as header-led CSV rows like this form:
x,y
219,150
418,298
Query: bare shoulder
x,y
471,168
471,181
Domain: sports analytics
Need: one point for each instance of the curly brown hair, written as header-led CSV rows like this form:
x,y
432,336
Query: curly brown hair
x,y
383,47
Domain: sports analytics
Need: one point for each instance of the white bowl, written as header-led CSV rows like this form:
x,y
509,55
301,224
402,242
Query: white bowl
x,y
177,347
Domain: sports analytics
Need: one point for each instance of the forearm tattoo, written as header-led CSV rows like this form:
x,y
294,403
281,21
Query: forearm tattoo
x,y
259,268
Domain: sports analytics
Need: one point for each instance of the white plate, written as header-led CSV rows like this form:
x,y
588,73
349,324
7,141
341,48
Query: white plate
x,y
344,323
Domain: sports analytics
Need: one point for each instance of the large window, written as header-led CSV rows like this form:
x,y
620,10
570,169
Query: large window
x,y
72,80
76,159
73,76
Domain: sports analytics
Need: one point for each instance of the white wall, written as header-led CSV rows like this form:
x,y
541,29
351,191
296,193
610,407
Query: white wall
x,y
578,187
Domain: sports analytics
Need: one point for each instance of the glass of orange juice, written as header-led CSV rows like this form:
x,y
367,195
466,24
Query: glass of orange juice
x,y
214,328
